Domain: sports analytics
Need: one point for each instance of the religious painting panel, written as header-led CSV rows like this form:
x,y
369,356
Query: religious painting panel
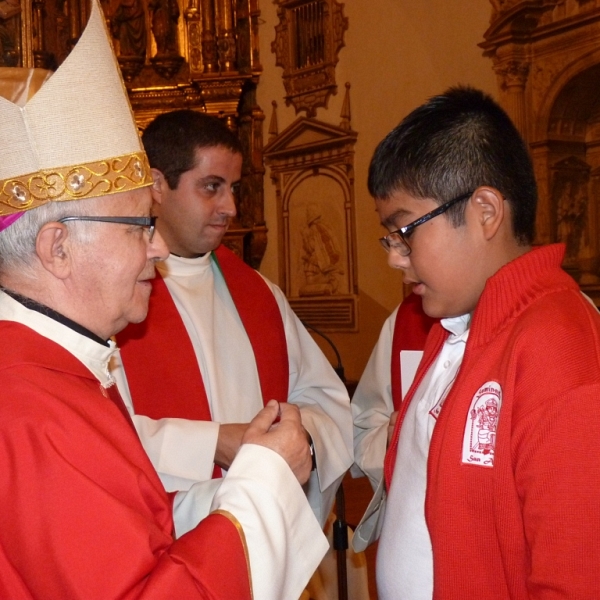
x,y
570,207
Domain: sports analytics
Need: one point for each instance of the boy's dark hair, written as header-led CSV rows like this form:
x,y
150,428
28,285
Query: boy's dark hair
x,y
172,138
450,146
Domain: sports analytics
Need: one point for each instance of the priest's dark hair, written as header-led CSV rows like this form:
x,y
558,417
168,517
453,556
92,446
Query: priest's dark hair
x,y
172,138
450,146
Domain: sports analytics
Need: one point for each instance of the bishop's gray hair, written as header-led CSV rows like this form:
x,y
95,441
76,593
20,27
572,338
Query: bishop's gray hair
x,y
17,242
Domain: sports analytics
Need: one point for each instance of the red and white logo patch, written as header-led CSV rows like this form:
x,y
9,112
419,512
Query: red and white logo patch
x,y
479,441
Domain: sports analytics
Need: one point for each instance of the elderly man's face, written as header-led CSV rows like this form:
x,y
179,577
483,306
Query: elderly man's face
x,y
114,270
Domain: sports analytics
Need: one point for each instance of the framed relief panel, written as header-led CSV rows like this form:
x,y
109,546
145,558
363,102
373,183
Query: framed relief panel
x,y
312,168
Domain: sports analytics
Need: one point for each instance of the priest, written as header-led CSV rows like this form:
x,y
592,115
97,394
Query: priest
x,y
220,340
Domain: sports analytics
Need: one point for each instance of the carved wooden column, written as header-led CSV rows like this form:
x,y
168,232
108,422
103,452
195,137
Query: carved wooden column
x,y
226,39
75,23
512,76
544,222
26,57
252,214
194,29
209,37
40,56
254,27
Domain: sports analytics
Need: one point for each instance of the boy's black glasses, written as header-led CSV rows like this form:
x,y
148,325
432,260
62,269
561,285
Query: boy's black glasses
x,y
398,240
149,223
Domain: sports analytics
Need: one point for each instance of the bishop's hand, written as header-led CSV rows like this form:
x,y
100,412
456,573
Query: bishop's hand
x,y
279,428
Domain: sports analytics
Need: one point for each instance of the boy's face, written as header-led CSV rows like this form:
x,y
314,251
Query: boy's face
x,y
445,261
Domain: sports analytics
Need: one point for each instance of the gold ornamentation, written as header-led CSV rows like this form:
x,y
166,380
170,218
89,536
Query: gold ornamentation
x,y
307,42
90,180
155,86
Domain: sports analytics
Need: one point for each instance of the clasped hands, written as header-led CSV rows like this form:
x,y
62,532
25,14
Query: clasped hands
x,y
278,427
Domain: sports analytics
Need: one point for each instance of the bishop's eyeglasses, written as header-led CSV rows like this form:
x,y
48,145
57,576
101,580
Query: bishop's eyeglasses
x,y
148,223
398,240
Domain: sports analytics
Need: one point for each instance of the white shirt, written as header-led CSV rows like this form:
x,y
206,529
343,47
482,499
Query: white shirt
x,y
404,557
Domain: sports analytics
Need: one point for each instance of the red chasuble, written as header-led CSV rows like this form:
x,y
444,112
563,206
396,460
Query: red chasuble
x,y
161,366
410,332
84,514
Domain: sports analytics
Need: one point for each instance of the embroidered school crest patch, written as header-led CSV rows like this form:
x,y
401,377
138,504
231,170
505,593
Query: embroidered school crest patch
x,y
479,441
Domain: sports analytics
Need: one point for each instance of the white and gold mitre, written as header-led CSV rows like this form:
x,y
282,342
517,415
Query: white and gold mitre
x,y
76,137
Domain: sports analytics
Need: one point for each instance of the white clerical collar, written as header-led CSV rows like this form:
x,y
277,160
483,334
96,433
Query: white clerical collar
x,y
182,267
458,328
93,355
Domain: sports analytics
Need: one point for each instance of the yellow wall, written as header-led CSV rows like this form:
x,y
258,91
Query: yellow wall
x,y
397,54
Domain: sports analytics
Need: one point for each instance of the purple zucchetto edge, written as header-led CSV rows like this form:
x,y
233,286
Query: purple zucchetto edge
x,y
8,220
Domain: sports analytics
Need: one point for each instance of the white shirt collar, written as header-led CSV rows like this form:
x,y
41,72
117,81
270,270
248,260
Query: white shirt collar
x,y
458,328
184,267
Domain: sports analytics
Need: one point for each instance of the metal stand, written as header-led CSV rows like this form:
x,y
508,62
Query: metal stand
x,y
340,543
340,527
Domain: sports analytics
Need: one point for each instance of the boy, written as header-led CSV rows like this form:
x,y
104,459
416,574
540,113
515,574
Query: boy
x,y
491,472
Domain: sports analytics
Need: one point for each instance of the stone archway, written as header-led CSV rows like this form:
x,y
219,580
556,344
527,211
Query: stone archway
x,y
546,54
573,146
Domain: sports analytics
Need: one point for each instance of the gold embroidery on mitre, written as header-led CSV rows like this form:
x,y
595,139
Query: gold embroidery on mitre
x,y
90,180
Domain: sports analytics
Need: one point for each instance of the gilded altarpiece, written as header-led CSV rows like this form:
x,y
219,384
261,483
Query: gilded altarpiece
x,y
312,167
546,54
196,54
307,42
